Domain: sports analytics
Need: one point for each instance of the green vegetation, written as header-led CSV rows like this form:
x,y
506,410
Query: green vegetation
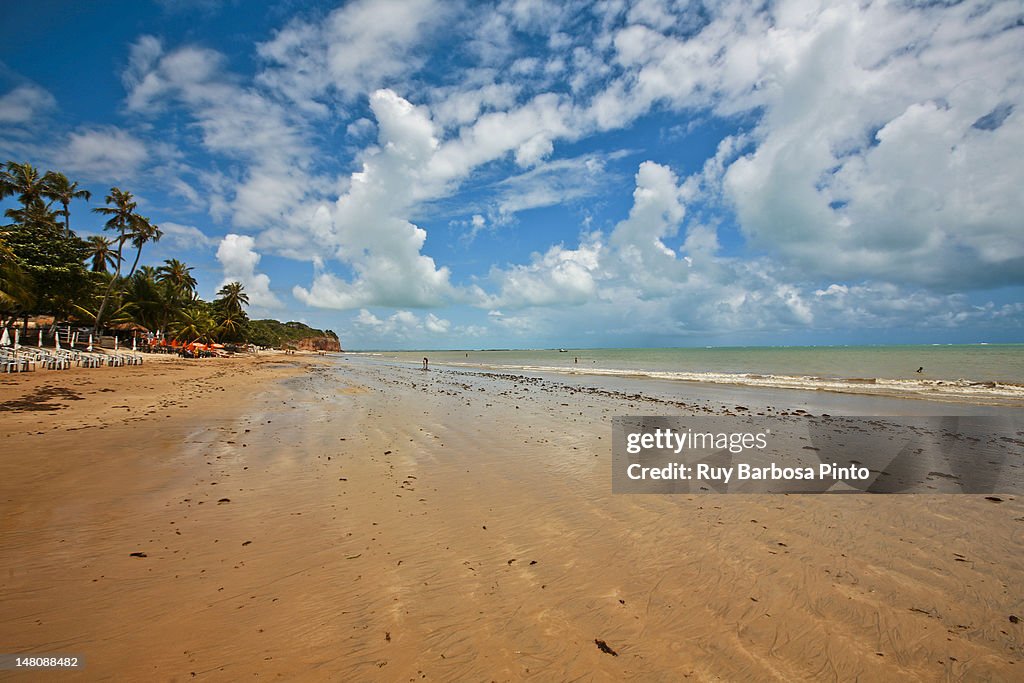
x,y
45,268
274,333
41,261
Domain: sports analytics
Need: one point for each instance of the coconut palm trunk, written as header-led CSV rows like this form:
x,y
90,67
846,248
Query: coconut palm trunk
x,y
143,231
126,222
110,286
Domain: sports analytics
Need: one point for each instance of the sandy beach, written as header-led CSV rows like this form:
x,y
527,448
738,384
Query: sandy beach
x,y
299,517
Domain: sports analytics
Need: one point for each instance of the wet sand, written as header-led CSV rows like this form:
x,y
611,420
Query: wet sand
x,y
303,519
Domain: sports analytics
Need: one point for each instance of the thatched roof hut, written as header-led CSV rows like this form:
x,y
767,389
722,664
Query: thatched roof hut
x,y
37,321
127,327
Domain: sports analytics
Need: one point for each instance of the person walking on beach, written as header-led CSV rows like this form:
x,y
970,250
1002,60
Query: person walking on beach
x,y
425,363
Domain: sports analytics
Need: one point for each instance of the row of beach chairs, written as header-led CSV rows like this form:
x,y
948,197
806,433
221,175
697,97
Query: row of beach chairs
x,y
26,360
14,363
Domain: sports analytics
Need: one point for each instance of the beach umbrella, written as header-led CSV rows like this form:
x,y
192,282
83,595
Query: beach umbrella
x,y
73,338
56,339
40,337
115,342
90,343
16,338
133,343
5,340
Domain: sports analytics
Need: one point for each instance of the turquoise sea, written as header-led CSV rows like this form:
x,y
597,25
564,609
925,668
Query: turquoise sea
x,y
976,371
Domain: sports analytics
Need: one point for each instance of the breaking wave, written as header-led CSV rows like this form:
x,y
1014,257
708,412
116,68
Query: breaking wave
x,y
960,389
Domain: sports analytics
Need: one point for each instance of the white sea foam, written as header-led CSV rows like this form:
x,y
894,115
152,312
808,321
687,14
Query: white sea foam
x,y
922,388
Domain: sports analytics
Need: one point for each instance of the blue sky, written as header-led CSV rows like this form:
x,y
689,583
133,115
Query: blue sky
x,y
423,174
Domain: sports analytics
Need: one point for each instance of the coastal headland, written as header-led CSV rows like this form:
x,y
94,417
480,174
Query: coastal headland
x,y
334,518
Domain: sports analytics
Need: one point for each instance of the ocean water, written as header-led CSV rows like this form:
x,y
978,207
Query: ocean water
x,y
959,372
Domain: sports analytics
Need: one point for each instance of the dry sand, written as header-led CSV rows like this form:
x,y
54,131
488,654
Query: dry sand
x,y
305,522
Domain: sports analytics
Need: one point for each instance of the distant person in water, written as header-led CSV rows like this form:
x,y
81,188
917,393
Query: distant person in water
x,y
576,359
425,363
920,369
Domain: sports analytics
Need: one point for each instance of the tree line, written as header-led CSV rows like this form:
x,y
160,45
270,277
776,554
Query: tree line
x,y
45,268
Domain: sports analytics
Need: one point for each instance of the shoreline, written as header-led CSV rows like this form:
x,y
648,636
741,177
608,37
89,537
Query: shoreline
x,y
950,392
383,522
981,373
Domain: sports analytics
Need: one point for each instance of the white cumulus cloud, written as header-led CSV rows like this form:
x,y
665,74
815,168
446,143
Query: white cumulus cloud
x,y
104,152
24,104
239,259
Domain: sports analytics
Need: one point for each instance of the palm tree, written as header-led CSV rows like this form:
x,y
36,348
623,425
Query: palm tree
x,y
146,297
100,253
122,214
124,220
147,273
15,283
232,298
57,188
156,301
179,277
193,324
121,314
22,180
34,215
50,259
6,182
143,232
230,328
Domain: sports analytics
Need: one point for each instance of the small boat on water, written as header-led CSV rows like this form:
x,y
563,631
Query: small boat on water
x,y
563,350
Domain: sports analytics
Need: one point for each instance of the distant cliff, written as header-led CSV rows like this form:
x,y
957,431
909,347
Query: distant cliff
x,y
292,334
318,344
